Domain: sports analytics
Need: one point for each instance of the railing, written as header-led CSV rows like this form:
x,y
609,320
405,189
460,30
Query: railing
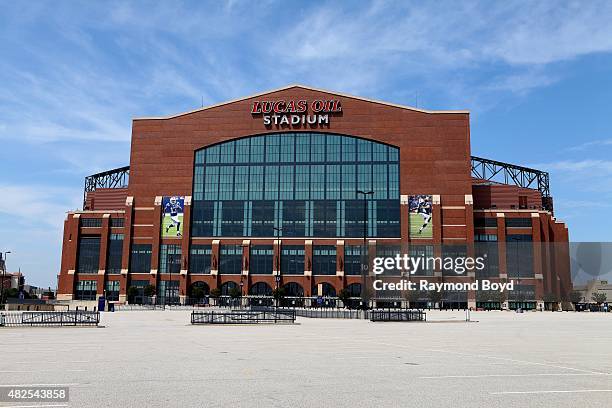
x,y
242,317
70,318
320,313
405,315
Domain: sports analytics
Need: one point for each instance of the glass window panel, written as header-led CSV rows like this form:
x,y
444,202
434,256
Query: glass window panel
x,y
242,150
227,152
302,147
257,149
364,150
287,143
286,182
271,183
272,148
256,182
317,182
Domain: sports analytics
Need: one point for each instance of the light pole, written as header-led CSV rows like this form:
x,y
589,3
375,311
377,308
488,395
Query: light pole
x,y
3,275
364,263
277,278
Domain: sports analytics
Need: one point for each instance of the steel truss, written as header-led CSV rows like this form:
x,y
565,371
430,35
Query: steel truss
x,y
116,178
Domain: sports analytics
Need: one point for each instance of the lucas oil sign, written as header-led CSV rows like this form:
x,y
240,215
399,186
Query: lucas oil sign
x,y
296,113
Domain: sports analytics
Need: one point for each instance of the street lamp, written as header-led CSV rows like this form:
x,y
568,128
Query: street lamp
x,y
364,263
277,231
277,278
3,275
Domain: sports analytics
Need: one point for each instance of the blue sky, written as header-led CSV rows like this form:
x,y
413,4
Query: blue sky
x,y
536,76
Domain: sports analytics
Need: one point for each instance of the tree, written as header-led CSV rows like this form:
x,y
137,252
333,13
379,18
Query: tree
x,y
575,296
412,296
435,297
215,293
132,292
344,296
197,293
599,297
550,297
278,293
149,290
235,293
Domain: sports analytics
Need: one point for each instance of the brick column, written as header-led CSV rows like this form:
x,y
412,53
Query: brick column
x,y
156,240
184,278
214,262
469,237
537,260
246,265
501,248
100,280
66,285
308,267
404,218
127,248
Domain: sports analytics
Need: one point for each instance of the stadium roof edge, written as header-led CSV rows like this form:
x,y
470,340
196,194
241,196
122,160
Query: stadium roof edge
x,y
311,89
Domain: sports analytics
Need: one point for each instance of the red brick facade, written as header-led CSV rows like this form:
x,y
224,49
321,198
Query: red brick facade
x,y
434,159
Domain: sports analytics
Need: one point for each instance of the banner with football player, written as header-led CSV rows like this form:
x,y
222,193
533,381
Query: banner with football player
x,y
172,216
420,207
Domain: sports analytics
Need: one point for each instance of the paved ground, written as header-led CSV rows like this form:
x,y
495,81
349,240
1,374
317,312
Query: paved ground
x,y
156,359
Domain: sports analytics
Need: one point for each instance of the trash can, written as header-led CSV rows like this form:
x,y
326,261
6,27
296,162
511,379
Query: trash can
x,y
101,304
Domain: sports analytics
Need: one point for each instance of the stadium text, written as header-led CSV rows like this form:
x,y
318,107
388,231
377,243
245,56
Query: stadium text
x,y
296,113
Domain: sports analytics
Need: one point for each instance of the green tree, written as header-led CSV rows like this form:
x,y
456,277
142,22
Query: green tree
x,y
235,293
344,296
599,297
575,296
149,290
132,292
435,297
550,297
215,293
278,293
197,293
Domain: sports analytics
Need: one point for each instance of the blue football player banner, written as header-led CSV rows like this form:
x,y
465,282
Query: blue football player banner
x,y
172,216
420,207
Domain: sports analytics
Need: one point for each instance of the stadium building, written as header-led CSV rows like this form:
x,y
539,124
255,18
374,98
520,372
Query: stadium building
x,y
297,188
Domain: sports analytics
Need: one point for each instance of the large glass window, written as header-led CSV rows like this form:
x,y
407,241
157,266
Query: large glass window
x,y
305,184
519,256
141,258
292,260
112,290
261,259
169,258
353,259
89,254
86,290
230,259
115,253
200,258
324,260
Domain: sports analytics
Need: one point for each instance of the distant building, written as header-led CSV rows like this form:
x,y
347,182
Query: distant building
x,y
594,286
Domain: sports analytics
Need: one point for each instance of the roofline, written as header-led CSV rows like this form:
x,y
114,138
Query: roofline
x,y
308,88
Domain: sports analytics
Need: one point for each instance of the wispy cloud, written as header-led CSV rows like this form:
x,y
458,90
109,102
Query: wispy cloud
x,y
591,145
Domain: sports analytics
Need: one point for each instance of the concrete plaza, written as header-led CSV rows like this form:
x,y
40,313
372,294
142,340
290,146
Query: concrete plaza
x,y
157,359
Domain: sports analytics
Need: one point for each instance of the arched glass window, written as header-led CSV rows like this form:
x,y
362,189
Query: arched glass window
x,y
296,185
